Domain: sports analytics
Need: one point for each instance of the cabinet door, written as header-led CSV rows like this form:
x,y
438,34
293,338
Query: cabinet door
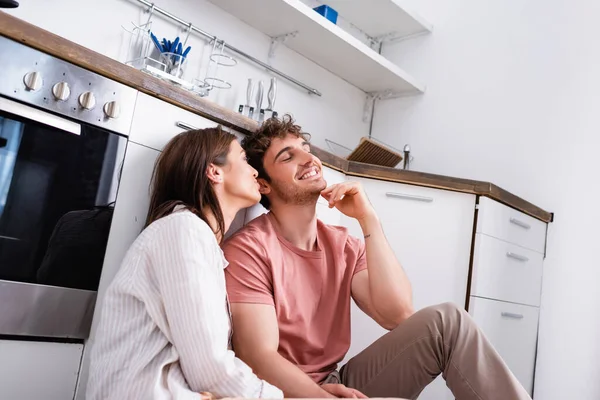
x,y
512,330
430,231
155,122
38,370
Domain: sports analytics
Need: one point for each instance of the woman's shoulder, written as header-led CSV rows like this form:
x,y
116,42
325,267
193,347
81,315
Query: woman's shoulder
x,y
183,220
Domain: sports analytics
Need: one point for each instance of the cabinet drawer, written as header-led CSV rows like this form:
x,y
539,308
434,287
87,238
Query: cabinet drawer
x,y
155,122
508,224
504,271
512,330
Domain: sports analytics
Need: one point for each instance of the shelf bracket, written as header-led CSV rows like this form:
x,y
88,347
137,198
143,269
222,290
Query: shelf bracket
x,y
277,40
372,97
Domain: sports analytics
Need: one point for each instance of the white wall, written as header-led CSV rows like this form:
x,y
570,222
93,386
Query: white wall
x,y
512,95
96,24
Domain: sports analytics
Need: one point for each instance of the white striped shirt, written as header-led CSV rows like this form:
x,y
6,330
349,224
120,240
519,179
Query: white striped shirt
x,y
164,326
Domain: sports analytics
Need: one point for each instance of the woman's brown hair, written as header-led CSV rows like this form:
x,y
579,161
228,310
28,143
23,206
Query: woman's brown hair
x,y
179,177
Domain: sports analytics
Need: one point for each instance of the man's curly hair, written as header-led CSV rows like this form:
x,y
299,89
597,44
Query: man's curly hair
x,y
257,144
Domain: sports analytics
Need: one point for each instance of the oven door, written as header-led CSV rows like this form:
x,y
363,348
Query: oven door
x,y
58,184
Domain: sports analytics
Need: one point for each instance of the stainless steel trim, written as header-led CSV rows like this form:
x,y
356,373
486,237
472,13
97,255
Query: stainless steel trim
x,y
517,256
512,315
185,126
522,224
207,35
34,114
409,197
46,311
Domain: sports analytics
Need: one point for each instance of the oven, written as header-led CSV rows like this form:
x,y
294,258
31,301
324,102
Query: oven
x,y
63,137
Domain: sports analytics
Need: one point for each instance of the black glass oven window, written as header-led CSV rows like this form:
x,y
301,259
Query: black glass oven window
x,y
57,193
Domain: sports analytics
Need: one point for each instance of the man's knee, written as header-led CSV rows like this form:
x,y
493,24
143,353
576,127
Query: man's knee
x,y
447,312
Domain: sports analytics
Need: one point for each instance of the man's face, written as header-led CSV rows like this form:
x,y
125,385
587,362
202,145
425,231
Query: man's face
x,y
296,175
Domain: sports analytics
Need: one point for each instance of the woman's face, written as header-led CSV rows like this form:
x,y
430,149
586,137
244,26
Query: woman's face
x,y
239,178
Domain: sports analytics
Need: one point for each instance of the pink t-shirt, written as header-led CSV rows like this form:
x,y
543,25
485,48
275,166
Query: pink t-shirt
x,y
310,290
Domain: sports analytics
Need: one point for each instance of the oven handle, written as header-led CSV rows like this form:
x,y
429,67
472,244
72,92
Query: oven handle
x,y
42,117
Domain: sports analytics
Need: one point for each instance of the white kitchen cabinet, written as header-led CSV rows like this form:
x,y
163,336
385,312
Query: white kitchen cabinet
x,y
506,284
512,330
430,231
38,370
155,122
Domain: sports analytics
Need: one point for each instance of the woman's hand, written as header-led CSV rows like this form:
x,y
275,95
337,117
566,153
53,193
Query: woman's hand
x,y
342,391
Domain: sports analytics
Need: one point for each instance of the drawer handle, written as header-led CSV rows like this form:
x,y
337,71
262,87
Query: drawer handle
x,y
409,197
522,224
185,126
517,256
512,315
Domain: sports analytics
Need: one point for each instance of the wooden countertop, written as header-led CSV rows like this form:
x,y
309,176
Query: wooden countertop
x,y
64,49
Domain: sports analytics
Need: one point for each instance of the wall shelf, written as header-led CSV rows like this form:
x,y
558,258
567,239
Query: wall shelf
x,y
324,43
380,18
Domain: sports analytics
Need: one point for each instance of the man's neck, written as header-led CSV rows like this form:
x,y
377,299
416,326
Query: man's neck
x,y
297,224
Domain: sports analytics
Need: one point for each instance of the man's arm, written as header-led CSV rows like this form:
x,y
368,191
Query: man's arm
x,y
383,291
256,339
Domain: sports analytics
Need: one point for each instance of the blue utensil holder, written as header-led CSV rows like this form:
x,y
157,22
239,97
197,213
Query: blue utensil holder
x,y
327,12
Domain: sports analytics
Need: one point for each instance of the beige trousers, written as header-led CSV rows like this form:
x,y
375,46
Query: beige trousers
x,y
442,339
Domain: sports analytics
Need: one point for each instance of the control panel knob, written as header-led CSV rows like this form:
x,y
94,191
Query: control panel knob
x,y
33,81
112,109
61,91
87,100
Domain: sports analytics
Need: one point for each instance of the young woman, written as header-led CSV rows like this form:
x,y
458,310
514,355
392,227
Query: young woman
x,y
165,326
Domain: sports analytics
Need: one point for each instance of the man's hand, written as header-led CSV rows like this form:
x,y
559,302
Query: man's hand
x,y
342,391
350,198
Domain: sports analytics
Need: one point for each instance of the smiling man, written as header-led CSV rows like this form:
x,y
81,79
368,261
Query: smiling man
x,y
291,278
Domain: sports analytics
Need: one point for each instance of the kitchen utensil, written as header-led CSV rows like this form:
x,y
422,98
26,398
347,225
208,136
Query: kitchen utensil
x,y
174,45
246,109
8,4
258,111
156,42
271,95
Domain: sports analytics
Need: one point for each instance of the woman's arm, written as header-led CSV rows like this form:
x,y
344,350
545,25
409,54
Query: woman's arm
x,y
195,305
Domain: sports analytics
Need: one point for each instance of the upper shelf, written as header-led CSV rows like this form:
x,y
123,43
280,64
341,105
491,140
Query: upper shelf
x,y
324,43
378,18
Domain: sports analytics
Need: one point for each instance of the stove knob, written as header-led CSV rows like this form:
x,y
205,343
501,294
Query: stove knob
x,y
33,81
61,91
112,109
87,100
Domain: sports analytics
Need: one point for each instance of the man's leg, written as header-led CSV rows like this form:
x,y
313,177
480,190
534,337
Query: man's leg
x,y
439,339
